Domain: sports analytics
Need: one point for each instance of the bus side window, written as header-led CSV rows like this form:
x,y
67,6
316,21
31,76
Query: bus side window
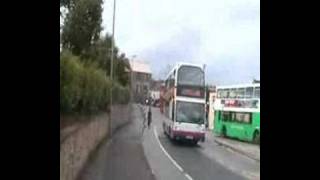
x,y
250,117
233,116
227,93
257,92
249,92
226,116
247,118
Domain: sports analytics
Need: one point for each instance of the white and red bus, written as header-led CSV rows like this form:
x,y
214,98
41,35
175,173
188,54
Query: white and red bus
x,y
183,103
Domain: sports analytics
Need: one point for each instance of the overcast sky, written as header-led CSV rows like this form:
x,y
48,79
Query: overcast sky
x,y
223,34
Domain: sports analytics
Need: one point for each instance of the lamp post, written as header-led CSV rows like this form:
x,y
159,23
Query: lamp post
x,y
111,67
132,84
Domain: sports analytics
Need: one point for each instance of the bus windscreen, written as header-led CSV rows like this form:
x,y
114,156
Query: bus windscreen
x,y
190,112
189,75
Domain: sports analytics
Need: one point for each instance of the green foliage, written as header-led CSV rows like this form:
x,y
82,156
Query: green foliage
x,y
121,94
82,25
70,82
85,60
85,88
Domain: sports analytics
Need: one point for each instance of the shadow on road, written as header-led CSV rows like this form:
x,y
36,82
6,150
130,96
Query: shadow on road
x,y
184,143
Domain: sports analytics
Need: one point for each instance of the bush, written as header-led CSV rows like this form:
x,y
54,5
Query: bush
x,y
120,93
70,82
85,88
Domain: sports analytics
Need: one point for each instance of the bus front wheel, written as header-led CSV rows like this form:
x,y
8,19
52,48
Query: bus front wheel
x,y
256,138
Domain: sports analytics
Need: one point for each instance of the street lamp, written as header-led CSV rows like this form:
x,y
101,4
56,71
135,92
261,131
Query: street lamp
x,y
111,67
132,84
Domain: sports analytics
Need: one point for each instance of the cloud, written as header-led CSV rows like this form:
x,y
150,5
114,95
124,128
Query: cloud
x,y
224,34
182,47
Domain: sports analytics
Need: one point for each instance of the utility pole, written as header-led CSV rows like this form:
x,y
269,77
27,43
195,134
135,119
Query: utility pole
x,y
111,67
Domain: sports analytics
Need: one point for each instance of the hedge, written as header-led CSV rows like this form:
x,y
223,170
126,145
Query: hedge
x,y
85,88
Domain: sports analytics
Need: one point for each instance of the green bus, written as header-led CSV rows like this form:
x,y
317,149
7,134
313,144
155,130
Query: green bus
x,y
237,112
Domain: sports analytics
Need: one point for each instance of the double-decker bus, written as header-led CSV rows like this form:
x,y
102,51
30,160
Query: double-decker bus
x,y
183,101
237,112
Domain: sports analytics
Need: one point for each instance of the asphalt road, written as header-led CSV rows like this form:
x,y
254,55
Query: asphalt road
x,y
136,153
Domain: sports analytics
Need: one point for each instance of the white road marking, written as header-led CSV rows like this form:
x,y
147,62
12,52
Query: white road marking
x,y
168,155
165,152
188,176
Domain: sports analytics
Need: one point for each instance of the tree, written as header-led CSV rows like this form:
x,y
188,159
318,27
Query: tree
x,y
82,25
122,63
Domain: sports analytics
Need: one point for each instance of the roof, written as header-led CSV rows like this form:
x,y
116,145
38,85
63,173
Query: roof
x,y
139,66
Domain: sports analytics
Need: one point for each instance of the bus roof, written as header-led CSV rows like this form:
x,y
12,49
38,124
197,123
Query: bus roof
x,y
238,86
181,64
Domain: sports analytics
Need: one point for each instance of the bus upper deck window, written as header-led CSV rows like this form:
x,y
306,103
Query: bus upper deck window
x,y
249,92
240,93
233,93
219,94
257,92
226,93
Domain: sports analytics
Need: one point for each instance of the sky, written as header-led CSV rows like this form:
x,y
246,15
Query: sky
x,y
223,34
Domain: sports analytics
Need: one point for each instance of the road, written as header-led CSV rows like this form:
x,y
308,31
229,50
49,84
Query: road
x,y
137,154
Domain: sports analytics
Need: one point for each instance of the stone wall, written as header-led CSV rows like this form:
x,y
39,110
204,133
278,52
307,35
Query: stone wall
x,y
77,146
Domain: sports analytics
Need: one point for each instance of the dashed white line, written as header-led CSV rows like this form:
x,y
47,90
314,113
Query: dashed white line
x,y
168,155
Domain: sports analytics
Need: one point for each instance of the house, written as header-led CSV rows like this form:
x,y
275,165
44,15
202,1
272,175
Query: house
x,y
140,80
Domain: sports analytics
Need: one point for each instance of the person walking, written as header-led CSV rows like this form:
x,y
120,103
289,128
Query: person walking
x,y
149,117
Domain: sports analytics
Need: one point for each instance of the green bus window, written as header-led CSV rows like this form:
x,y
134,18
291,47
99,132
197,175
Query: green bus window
x,y
240,93
219,93
223,93
249,92
257,92
233,93
226,116
238,117
233,116
227,93
246,118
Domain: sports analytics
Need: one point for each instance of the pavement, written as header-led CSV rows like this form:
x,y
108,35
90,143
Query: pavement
x,y
250,150
122,157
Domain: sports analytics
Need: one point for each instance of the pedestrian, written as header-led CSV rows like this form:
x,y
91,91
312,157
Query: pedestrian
x,y
149,117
